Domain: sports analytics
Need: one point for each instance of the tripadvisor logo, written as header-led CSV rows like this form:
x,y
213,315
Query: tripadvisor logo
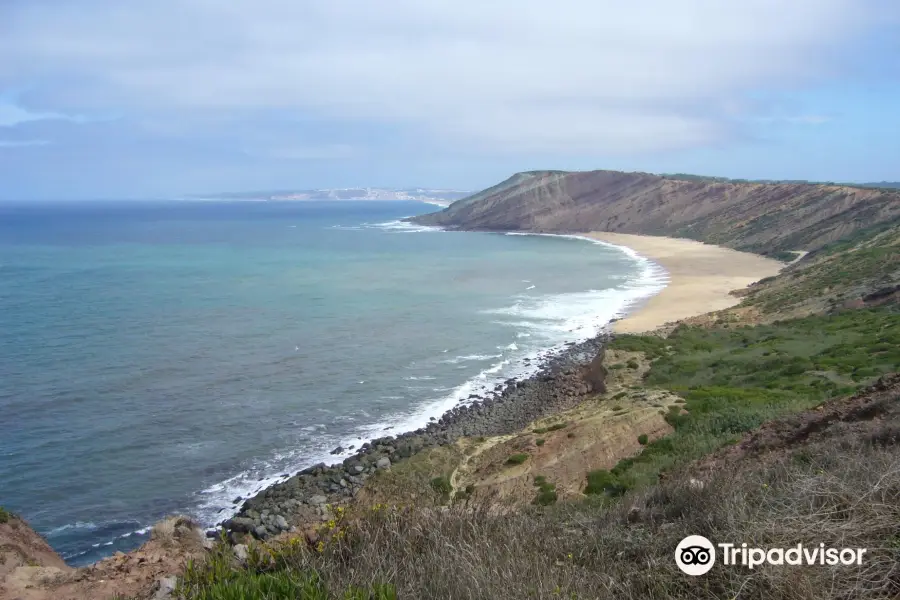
x,y
696,555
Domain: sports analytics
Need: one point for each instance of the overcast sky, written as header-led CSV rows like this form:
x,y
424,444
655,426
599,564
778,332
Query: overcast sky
x,y
142,98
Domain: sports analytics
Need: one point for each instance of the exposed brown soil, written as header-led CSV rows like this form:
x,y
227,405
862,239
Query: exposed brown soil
x,y
596,434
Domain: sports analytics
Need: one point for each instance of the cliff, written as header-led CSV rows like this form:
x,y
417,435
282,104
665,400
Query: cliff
x,y
766,218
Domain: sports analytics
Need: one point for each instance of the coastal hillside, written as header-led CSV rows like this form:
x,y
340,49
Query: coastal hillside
x,y
772,422
766,218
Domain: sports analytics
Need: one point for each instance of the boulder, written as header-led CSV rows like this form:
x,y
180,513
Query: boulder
x,y
241,552
241,524
165,587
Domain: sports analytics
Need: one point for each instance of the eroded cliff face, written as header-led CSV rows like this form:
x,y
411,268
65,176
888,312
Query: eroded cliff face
x,y
759,217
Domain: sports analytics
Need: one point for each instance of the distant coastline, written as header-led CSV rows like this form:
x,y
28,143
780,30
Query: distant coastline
x,y
437,197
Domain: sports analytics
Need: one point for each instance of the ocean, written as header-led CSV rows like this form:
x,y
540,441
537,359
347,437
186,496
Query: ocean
x,y
170,357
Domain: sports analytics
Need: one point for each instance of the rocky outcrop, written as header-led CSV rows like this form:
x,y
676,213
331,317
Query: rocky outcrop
x,y
21,546
31,570
758,217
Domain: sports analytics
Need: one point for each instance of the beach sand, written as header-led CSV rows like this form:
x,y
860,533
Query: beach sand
x,y
700,277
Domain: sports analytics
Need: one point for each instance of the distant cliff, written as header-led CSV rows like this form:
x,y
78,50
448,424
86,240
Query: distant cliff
x,y
766,218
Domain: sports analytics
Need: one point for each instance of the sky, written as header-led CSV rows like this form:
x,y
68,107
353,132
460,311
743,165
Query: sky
x,y
139,99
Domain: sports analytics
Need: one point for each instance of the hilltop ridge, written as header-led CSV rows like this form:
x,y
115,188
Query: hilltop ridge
x,y
766,218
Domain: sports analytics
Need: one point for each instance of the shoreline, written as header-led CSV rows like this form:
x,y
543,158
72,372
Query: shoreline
x,y
562,382
701,277
563,375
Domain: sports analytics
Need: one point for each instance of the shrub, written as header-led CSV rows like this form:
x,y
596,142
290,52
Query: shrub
x,y
602,481
5,515
517,459
550,428
642,439
441,485
539,480
540,441
632,364
545,497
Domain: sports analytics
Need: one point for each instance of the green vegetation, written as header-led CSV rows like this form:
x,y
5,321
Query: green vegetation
x,y
643,439
546,492
408,478
619,395
540,441
861,263
632,364
546,497
271,574
735,379
441,485
517,459
5,515
783,255
605,482
555,427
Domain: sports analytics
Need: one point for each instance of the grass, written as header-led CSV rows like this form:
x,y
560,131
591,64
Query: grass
x,y
517,459
735,379
842,495
270,576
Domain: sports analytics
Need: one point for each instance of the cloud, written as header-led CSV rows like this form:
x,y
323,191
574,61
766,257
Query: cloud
x,y
11,115
599,76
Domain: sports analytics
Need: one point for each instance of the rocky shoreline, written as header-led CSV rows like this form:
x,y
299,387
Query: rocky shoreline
x,y
564,378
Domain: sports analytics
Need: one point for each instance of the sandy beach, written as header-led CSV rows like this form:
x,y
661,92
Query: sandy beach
x,y
701,275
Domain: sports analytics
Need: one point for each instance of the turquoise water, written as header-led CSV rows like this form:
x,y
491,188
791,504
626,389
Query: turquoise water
x,y
169,357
